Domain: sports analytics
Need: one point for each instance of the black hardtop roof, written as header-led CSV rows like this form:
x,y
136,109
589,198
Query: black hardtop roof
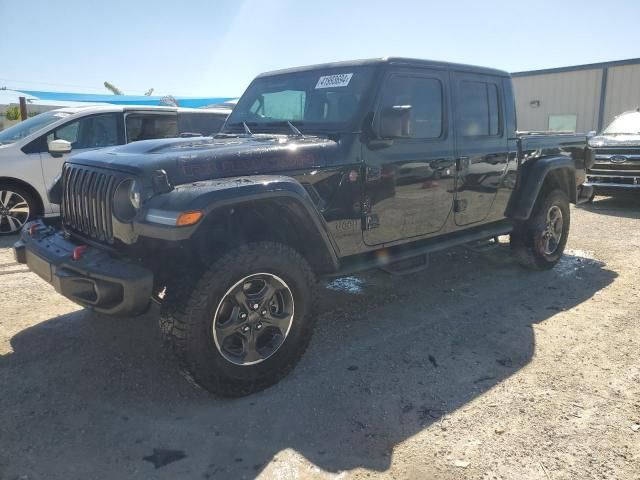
x,y
391,60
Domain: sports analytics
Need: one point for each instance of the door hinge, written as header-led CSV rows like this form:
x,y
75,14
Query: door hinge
x,y
462,163
371,221
459,205
372,174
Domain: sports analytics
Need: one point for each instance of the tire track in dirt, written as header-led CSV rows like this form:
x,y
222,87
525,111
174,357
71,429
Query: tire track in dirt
x,y
11,268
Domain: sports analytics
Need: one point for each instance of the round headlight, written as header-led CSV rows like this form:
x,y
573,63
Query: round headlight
x,y
124,207
135,195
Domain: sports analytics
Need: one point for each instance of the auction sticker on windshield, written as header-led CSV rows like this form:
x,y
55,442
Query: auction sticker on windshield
x,y
340,80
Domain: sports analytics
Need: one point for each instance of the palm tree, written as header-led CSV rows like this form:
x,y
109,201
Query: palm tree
x,y
113,89
116,91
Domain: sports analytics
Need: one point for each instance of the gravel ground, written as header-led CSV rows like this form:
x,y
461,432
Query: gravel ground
x,y
472,369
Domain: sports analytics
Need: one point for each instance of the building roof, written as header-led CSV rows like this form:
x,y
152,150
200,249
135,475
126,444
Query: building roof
x,y
575,68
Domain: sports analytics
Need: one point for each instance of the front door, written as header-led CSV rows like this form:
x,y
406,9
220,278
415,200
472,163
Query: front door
x,y
409,181
481,145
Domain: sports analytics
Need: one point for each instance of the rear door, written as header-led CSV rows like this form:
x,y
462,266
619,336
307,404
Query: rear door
x,y
481,145
409,181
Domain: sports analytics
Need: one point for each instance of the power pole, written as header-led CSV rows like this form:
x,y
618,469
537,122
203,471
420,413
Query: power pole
x,y
23,108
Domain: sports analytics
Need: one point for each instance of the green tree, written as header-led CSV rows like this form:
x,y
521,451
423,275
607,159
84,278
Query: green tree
x,y
12,112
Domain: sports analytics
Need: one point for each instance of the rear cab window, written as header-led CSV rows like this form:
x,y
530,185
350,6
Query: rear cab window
x,y
479,108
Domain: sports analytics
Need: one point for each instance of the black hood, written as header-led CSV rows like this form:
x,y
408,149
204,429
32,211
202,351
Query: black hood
x,y
204,158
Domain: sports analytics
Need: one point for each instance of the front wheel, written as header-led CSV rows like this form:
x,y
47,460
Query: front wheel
x,y
17,207
539,242
247,321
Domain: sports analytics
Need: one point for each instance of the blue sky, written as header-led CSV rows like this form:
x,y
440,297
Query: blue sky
x,y
215,48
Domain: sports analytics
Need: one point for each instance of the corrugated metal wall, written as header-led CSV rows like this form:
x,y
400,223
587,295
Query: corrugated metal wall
x,y
566,93
576,92
623,91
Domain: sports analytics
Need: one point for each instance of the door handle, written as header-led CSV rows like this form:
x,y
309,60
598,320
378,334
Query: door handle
x,y
462,163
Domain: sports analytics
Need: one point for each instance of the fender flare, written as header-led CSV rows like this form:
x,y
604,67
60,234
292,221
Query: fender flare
x,y
530,181
212,196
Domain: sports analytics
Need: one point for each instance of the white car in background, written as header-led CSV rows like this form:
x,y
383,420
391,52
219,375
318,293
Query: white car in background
x,y
32,152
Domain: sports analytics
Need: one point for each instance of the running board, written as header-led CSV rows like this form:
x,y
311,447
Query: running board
x,y
483,246
406,267
385,256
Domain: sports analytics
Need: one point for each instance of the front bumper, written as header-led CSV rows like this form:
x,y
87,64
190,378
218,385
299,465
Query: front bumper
x,y
613,180
96,280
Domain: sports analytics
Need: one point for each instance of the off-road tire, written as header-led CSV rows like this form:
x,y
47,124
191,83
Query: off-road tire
x,y
31,200
187,319
527,239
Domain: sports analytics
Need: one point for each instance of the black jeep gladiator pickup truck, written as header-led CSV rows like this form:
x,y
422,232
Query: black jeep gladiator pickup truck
x,y
319,171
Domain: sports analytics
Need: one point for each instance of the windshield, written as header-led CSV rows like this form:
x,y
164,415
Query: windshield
x,y
625,123
325,100
29,126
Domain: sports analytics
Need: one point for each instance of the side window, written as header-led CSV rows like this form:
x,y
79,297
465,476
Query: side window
x,y
202,123
68,132
424,96
96,131
563,123
478,109
142,126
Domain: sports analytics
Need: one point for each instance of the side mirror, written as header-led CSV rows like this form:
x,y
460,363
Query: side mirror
x,y
395,122
58,148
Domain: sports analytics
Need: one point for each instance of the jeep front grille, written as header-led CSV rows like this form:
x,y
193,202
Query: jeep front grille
x,y
86,201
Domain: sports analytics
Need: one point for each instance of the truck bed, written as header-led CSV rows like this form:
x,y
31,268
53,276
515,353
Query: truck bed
x,y
530,141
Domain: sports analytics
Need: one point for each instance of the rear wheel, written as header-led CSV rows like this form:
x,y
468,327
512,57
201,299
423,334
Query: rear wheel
x,y
17,207
539,242
247,321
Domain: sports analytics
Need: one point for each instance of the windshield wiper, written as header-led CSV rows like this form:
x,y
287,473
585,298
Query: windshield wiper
x,y
245,127
295,131
262,125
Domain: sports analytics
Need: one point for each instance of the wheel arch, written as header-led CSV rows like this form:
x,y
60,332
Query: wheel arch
x,y
12,181
542,175
279,218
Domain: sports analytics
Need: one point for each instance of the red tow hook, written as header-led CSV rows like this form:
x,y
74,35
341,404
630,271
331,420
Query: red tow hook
x,y
33,229
78,251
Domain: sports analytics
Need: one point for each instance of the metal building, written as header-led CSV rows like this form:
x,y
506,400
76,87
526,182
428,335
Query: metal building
x,y
580,98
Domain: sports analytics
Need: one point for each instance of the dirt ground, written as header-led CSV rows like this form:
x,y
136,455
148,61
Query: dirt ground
x,y
472,369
